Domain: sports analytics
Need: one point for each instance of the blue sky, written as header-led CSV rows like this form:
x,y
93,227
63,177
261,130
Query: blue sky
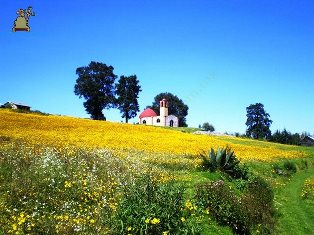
x,y
217,56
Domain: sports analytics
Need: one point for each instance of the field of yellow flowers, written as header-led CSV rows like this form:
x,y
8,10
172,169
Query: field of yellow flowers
x,y
65,175
125,139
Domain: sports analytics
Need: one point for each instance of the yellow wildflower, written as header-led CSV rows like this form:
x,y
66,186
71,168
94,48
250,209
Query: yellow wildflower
x,y
67,184
189,205
155,221
14,227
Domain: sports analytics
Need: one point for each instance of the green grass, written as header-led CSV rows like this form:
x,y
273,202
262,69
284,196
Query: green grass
x,y
182,129
296,216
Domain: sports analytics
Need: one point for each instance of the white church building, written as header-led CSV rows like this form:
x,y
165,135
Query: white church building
x,y
149,116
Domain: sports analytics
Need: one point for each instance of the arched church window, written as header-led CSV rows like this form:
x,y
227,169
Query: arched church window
x,y
144,122
158,120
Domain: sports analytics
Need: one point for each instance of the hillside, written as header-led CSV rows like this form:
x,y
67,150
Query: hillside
x,y
62,131
66,175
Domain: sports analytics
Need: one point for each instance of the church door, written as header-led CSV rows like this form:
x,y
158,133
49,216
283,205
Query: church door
x,y
171,122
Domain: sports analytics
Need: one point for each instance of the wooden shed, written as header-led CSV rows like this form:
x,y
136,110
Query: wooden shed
x,y
307,141
12,105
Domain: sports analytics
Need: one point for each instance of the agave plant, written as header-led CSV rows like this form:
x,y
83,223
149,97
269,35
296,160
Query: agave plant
x,y
224,160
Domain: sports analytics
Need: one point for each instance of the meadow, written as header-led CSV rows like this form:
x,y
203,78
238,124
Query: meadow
x,y
65,175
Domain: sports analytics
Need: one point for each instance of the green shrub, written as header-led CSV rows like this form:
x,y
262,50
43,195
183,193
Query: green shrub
x,y
257,202
290,166
249,212
226,161
261,190
147,207
240,172
223,205
240,184
304,164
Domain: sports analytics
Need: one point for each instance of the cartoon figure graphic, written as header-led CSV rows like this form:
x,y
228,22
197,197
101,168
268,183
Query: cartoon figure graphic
x,y
21,22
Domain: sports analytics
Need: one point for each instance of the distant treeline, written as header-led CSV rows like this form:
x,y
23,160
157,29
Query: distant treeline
x,y
282,137
286,137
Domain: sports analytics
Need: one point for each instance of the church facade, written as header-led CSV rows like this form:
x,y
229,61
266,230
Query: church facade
x,y
149,116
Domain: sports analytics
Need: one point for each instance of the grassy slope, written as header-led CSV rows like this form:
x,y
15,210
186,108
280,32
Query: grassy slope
x,y
183,129
295,215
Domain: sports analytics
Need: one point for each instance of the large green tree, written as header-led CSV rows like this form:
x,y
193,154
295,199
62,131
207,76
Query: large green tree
x,y
208,127
258,122
95,83
176,106
127,90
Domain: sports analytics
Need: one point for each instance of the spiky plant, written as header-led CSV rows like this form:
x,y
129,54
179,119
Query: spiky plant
x,y
224,160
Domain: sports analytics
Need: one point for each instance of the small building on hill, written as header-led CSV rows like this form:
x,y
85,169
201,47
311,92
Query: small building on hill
x,y
149,116
307,141
12,105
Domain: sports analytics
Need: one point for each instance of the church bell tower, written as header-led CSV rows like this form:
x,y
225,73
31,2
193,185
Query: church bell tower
x,y
163,108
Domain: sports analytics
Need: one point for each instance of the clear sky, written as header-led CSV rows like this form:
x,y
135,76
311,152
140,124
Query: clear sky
x,y
217,56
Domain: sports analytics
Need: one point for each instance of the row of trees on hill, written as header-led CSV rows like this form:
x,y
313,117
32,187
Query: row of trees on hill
x,y
286,137
96,84
258,127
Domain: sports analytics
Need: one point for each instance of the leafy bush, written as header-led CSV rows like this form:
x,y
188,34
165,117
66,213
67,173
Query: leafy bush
x,y
304,164
252,211
150,208
223,205
240,172
226,161
257,203
290,166
240,184
287,169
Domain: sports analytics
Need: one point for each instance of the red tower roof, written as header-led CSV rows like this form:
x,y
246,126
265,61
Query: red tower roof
x,y
148,113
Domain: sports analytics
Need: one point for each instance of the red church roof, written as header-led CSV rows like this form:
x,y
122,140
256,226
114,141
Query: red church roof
x,y
148,113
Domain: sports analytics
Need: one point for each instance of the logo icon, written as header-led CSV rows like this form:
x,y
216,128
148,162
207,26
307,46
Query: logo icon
x,y
21,22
